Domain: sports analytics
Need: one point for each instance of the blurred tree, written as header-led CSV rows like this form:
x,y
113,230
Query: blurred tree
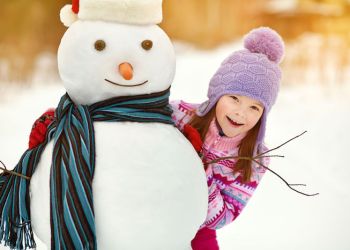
x,y
208,23
27,29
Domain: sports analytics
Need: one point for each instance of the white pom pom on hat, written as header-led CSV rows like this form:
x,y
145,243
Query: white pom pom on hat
x,y
67,15
141,12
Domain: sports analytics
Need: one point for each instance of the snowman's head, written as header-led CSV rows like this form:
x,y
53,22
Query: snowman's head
x,y
98,60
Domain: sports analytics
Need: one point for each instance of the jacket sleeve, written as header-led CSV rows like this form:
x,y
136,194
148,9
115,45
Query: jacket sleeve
x,y
227,194
39,128
182,113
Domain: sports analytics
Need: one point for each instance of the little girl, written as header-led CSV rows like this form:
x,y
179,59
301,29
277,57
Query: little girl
x,y
231,123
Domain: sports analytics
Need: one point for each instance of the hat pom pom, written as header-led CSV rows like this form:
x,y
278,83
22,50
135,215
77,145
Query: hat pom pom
x,y
266,41
67,16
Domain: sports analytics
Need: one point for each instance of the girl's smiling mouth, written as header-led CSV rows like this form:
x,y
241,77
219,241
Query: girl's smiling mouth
x,y
123,85
233,122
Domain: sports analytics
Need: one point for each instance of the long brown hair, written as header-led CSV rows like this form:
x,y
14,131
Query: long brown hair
x,y
246,147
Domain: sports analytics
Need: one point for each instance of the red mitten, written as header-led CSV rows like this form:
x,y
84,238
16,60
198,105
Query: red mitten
x,y
193,136
39,129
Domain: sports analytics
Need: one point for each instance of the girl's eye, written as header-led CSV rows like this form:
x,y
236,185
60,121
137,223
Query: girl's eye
x,y
100,45
235,98
147,44
255,108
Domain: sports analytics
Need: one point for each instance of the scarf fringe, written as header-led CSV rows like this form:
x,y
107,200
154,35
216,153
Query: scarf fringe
x,y
17,236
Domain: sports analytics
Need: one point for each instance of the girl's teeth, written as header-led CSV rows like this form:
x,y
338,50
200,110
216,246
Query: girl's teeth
x,y
234,123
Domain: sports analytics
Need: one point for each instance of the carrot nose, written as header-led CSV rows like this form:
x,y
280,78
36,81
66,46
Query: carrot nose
x,y
126,70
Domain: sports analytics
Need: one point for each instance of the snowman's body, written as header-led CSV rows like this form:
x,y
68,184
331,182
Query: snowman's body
x,y
149,186
149,190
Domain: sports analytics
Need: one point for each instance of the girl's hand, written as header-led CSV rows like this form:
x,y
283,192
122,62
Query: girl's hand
x,y
193,136
39,129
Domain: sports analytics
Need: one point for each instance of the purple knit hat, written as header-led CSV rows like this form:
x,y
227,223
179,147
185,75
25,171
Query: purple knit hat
x,y
252,72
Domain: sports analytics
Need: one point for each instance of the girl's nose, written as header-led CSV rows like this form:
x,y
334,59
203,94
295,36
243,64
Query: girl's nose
x,y
126,70
240,113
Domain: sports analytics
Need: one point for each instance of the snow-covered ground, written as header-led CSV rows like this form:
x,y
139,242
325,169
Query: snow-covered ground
x,y
276,218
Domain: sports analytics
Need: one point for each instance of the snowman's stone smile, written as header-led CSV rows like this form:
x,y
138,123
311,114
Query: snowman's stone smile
x,y
124,85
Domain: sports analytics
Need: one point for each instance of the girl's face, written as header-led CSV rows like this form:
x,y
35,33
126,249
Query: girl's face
x,y
237,114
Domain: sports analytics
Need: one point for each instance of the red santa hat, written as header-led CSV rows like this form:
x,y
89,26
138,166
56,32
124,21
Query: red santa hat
x,y
122,11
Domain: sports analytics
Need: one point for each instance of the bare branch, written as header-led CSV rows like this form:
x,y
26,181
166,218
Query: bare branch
x,y
227,158
4,169
263,155
289,185
268,156
281,144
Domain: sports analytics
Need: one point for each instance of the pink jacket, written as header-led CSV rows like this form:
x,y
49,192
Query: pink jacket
x,y
227,194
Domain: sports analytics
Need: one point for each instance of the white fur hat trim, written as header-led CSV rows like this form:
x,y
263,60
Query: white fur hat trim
x,y
123,11
141,12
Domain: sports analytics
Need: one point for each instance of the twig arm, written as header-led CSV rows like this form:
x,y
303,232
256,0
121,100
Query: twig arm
x,y
281,144
4,169
289,185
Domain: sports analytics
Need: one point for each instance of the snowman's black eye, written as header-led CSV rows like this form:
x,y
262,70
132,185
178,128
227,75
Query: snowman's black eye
x,y
100,45
147,44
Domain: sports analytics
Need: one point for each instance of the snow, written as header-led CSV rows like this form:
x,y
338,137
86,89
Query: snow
x,y
276,217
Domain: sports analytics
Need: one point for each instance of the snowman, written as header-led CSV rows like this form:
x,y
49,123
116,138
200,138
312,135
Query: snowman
x,y
148,187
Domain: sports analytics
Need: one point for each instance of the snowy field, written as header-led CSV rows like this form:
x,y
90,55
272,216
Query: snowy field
x,y
276,218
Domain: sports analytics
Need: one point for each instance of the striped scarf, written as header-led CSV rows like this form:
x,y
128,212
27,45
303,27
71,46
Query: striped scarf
x,y
72,171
